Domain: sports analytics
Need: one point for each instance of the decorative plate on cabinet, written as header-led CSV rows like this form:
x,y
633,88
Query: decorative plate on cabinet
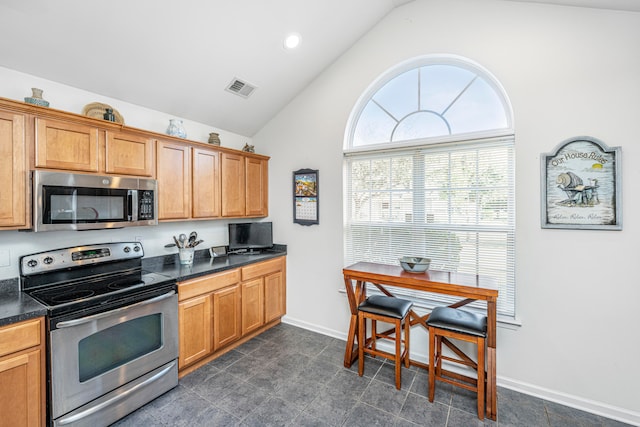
x,y
97,110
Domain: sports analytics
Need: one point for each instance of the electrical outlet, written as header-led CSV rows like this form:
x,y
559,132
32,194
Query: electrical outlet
x,y
5,257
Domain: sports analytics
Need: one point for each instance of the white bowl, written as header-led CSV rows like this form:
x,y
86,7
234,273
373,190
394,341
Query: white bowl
x,y
414,264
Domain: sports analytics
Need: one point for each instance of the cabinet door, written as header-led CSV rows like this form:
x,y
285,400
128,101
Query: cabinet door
x,y
62,145
274,297
13,171
129,154
194,318
206,183
252,305
21,388
226,316
233,184
174,183
257,196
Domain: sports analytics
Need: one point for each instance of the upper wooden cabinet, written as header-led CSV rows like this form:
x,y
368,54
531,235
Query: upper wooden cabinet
x,y
256,184
64,145
173,172
77,147
244,186
13,171
195,180
128,154
206,183
233,184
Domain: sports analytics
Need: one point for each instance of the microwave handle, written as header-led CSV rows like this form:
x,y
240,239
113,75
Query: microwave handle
x,y
132,205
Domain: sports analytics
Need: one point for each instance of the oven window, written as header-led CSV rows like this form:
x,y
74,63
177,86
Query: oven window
x,y
119,344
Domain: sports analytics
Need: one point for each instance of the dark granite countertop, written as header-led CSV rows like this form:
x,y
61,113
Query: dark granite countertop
x,y
16,306
203,264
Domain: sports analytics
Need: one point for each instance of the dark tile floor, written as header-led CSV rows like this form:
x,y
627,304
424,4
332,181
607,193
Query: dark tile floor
x,y
289,376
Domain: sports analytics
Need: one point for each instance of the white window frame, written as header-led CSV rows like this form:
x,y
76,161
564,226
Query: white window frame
x,y
501,137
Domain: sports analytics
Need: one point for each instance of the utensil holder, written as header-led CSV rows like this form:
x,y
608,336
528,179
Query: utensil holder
x,y
186,255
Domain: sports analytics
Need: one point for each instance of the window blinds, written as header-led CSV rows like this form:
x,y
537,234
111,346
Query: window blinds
x,y
453,203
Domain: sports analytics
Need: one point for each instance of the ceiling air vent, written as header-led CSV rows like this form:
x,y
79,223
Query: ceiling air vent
x,y
240,88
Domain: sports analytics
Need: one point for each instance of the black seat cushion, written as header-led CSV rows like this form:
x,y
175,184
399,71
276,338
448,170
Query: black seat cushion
x,y
457,320
386,306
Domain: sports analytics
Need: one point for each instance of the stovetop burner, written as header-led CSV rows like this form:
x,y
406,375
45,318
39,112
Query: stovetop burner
x,y
71,296
118,284
86,291
87,277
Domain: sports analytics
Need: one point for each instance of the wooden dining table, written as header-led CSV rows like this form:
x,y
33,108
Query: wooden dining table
x,y
468,287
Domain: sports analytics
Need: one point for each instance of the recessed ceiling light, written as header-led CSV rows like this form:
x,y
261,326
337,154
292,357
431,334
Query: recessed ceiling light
x,y
292,41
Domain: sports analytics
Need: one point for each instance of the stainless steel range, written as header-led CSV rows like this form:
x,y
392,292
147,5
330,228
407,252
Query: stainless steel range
x,y
112,330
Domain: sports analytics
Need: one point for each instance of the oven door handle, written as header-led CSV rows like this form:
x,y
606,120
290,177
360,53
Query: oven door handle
x,y
76,322
114,400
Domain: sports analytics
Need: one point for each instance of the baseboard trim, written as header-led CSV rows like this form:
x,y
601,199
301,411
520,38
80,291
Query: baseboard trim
x,y
314,328
587,405
591,406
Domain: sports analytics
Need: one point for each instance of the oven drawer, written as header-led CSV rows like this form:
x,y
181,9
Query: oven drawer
x,y
19,336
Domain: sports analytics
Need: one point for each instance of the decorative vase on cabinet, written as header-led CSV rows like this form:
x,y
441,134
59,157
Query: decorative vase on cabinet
x,y
36,98
176,128
214,138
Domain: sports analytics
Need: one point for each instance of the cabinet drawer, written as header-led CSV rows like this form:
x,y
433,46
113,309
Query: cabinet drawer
x,y
20,336
205,284
260,269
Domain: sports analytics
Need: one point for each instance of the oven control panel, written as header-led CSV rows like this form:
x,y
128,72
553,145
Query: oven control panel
x,y
79,255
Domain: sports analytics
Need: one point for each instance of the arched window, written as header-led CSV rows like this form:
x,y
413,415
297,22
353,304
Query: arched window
x,y
429,171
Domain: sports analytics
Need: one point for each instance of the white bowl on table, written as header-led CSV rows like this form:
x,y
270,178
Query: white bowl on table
x,y
413,264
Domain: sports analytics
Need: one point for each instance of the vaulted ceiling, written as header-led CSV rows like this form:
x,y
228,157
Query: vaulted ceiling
x,y
179,56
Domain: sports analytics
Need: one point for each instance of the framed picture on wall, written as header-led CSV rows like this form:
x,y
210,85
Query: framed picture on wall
x,y
581,186
305,197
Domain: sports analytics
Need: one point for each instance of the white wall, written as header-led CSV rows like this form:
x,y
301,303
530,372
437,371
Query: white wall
x,y
568,72
13,244
16,85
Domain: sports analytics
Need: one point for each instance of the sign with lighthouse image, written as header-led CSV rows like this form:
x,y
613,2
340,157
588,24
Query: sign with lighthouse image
x,y
581,185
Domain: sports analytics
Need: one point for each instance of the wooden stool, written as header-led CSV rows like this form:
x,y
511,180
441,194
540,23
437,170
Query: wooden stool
x,y
447,322
390,310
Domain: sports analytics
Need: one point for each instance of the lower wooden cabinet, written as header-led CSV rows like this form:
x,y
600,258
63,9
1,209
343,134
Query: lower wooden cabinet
x,y
252,305
274,296
194,317
226,316
218,310
265,289
22,374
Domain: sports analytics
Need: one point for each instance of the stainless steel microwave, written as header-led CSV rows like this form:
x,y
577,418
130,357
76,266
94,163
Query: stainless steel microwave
x,y
68,201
